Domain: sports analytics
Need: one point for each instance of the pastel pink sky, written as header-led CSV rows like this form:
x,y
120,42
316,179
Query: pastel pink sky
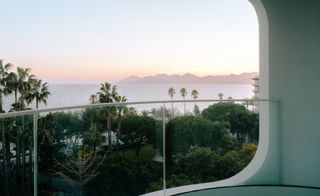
x,y
77,41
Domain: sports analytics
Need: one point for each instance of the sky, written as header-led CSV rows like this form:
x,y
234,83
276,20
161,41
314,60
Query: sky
x,y
88,41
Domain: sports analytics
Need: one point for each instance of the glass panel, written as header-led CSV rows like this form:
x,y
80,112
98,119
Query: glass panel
x,y
212,141
16,155
100,151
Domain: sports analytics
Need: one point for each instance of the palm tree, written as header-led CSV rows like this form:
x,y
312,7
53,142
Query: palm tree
x,y
106,95
5,139
12,86
23,87
19,83
3,77
183,93
171,93
39,92
93,99
120,108
195,94
15,82
220,95
25,82
230,100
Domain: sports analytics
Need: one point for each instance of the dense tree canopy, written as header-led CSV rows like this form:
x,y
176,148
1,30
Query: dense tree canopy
x,y
138,130
124,174
185,132
238,118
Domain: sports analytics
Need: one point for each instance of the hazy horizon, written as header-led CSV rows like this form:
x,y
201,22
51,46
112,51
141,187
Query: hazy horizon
x,y
88,42
142,77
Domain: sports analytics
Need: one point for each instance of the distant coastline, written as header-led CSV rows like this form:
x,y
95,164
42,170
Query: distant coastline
x,y
244,78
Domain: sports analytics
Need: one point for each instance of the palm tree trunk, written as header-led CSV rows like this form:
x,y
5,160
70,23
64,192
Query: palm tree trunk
x,y
30,168
1,109
6,168
172,107
23,166
15,97
2,138
109,129
184,101
18,156
37,103
7,157
23,155
118,128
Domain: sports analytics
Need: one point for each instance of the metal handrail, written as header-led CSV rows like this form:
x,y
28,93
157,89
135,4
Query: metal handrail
x,y
96,105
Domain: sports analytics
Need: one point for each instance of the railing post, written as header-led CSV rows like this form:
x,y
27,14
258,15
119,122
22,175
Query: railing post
x,y
164,149
35,154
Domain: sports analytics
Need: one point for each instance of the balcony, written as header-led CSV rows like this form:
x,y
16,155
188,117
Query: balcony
x,y
287,158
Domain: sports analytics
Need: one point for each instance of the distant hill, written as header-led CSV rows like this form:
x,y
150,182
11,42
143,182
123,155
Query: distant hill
x,y
244,78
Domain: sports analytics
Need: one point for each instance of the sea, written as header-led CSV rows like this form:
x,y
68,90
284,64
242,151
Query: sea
x,y
63,95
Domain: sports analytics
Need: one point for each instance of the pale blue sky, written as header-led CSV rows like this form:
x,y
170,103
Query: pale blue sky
x,y
88,41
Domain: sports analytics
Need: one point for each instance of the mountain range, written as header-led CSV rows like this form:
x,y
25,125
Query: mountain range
x,y
244,78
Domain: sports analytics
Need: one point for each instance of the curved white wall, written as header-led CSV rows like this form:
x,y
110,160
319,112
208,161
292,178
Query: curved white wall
x,y
294,70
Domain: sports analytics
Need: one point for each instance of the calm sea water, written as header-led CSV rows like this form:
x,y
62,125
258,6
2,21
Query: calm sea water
x,y
79,94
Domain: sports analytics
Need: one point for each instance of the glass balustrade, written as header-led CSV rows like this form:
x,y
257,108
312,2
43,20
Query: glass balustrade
x,y
126,148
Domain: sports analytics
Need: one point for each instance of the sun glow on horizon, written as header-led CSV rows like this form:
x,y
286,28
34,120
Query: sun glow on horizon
x,y
77,41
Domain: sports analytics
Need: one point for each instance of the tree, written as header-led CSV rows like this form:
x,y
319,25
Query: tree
x,y
248,102
47,140
68,126
196,110
241,121
39,92
12,86
228,165
3,79
123,174
23,86
120,110
93,99
247,153
82,169
19,84
183,93
199,164
4,136
7,126
234,161
106,95
184,132
93,137
194,94
220,95
157,113
138,130
171,93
